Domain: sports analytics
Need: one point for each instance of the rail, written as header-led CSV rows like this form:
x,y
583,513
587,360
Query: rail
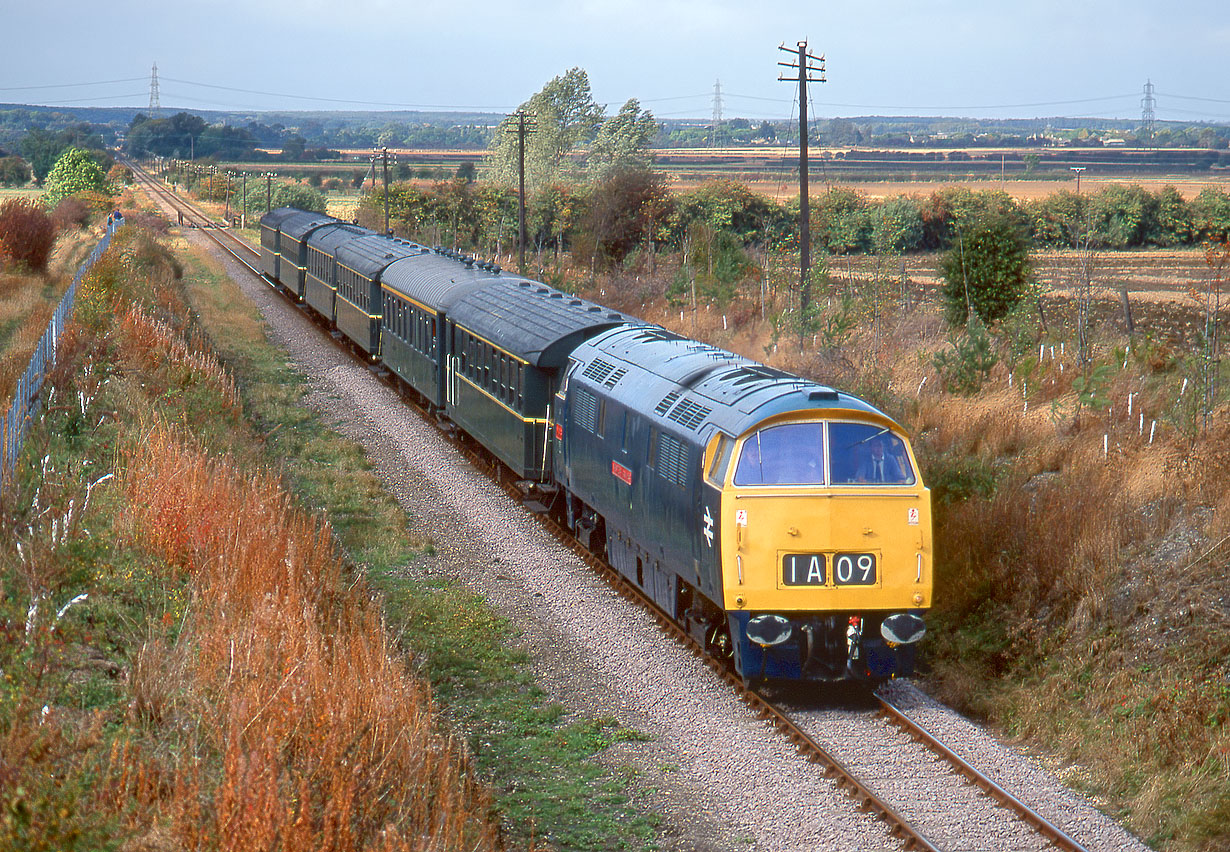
x,y
15,423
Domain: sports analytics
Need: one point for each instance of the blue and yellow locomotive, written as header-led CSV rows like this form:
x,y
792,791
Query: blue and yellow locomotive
x,y
781,522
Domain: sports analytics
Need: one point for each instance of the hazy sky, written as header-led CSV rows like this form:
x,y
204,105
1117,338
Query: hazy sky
x,y
989,58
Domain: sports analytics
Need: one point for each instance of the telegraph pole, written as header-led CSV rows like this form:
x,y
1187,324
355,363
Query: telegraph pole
x,y
525,124
807,65
383,155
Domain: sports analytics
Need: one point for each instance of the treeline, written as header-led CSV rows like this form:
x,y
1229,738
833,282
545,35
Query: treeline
x,y
632,210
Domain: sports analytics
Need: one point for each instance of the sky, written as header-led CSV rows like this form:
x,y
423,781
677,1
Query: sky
x,y
967,58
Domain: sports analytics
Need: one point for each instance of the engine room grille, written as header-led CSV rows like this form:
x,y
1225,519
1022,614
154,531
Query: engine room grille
x,y
672,459
689,414
666,403
614,378
597,370
585,410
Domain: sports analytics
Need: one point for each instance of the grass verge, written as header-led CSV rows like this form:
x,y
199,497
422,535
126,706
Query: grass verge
x,y
539,762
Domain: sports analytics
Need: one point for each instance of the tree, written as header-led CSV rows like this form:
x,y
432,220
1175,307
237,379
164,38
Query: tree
x,y
728,205
987,271
896,225
41,150
626,208
76,171
840,223
297,195
564,114
1211,214
14,171
1123,216
623,139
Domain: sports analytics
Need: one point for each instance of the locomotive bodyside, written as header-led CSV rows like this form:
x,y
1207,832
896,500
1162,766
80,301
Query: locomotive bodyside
x,y
792,570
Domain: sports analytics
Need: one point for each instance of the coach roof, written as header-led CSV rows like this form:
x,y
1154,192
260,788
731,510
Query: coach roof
x,y
535,322
369,255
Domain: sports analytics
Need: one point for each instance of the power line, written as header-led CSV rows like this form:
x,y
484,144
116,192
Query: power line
x,y
69,85
331,100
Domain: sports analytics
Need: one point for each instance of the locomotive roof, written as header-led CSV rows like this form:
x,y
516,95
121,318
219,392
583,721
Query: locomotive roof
x,y
695,386
433,280
531,320
335,234
369,255
302,222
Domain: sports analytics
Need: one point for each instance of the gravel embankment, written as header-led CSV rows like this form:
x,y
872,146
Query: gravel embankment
x,y
721,778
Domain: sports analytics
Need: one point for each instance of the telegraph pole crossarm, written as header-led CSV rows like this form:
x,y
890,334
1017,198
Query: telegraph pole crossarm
x,y
810,69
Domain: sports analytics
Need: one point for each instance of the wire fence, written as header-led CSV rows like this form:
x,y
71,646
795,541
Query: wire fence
x,y
26,400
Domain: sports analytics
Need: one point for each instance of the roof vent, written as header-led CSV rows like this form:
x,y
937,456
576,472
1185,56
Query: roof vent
x,y
524,285
823,396
557,295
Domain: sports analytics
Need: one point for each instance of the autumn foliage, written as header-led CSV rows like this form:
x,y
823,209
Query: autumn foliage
x,y
27,234
326,738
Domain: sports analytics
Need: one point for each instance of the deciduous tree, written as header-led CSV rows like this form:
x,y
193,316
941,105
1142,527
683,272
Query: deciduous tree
x,y
565,115
75,172
623,140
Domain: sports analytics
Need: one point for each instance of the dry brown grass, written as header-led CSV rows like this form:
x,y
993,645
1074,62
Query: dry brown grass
x,y
326,737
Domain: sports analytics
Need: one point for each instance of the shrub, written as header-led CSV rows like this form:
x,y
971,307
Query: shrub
x,y
14,171
119,175
71,212
27,234
987,270
297,195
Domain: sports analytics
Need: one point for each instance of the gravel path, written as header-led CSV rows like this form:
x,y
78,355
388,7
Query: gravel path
x,y
720,778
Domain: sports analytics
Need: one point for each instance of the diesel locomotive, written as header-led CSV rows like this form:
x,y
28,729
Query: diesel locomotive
x,y
781,522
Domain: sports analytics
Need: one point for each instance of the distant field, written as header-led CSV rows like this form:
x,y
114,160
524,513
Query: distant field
x,y
773,171
23,192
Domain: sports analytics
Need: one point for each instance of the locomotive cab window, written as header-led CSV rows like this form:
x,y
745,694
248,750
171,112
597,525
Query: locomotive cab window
x,y
789,454
866,454
721,459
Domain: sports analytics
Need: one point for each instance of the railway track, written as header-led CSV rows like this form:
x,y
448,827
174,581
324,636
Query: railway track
x,y
805,729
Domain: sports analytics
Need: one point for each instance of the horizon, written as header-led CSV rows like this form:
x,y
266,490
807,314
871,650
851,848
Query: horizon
x,y
888,58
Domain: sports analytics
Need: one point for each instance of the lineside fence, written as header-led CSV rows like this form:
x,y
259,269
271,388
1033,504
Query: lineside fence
x,y
16,422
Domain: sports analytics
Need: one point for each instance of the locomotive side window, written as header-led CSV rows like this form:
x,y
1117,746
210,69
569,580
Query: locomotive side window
x,y
790,454
865,454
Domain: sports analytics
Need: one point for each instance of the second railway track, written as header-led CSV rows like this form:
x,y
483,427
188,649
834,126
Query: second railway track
x,y
926,794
